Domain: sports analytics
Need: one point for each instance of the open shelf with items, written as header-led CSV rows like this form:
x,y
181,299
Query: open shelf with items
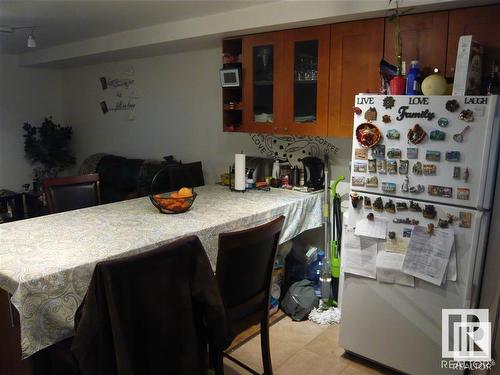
x,y
232,96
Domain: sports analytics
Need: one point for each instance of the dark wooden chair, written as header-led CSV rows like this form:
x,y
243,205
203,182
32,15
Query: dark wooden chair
x,y
71,193
244,268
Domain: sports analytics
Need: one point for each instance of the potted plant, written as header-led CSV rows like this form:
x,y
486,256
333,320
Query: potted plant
x,y
47,147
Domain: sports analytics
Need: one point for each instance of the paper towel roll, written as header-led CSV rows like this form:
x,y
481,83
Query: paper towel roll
x,y
240,178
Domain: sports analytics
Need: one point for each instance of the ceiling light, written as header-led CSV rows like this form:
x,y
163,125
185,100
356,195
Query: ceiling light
x,y
31,40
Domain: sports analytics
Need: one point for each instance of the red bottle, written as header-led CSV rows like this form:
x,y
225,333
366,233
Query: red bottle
x,y
398,85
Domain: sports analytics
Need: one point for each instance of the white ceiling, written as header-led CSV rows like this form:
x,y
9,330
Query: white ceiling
x,y
73,20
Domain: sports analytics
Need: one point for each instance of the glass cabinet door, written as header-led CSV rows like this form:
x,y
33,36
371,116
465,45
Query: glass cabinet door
x,y
306,57
261,54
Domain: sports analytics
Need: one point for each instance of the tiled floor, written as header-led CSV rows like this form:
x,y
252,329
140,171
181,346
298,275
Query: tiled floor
x,y
302,348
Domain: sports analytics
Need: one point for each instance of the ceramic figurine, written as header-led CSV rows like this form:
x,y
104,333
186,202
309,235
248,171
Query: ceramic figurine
x,y
429,211
417,189
378,204
355,198
390,207
417,168
405,188
415,207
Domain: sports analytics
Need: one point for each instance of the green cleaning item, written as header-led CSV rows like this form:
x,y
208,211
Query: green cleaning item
x,y
336,234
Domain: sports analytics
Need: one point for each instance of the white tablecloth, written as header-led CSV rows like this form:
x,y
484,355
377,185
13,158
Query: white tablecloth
x,y
46,263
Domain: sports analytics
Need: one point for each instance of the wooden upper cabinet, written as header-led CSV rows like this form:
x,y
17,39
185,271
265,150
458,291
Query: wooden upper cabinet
x,y
483,23
306,65
424,38
356,50
262,77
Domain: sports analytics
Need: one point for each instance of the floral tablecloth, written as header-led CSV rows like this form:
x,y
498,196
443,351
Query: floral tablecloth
x,y
46,263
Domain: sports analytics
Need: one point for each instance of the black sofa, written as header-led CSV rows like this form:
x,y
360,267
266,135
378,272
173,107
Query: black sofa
x,y
122,178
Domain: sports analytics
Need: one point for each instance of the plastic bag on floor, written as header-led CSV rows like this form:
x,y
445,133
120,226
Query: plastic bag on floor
x,y
299,300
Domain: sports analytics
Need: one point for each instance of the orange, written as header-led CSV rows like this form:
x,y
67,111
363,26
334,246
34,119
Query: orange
x,y
185,192
174,195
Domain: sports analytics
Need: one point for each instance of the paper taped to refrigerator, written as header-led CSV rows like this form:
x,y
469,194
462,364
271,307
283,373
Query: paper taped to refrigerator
x,y
390,269
376,228
359,254
428,255
451,271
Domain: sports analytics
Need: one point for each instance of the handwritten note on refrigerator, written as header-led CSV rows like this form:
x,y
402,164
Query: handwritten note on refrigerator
x,y
428,255
376,228
359,254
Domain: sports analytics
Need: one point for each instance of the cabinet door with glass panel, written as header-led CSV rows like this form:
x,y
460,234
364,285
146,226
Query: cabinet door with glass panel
x,y
306,78
262,54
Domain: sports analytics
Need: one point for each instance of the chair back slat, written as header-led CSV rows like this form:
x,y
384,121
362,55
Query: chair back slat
x,y
71,193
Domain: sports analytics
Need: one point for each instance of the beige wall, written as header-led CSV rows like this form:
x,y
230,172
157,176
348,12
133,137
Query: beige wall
x,y
26,95
178,112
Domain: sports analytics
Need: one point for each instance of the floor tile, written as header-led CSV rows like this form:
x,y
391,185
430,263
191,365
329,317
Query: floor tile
x,y
305,362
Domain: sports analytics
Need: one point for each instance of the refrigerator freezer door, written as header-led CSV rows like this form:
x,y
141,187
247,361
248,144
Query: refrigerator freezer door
x,y
455,164
400,326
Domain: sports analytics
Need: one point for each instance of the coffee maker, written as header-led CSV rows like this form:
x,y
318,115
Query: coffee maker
x,y
314,172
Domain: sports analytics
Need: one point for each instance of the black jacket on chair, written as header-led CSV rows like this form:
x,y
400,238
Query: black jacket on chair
x,y
151,313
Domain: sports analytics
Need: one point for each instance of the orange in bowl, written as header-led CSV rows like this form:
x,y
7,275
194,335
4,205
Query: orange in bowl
x,y
185,193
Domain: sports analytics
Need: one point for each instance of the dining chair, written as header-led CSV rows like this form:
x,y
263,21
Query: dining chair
x,y
151,313
245,264
70,193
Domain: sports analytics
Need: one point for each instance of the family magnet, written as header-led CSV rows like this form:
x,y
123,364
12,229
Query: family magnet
x,y
392,134
437,135
388,102
433,155
360,167
465,220
390,207
429,169
372,181
394,153
382,166
361,153
440,191
403,166
378,151
371,114
417,168
416,134
456,172
386,119
417,189
463,194
452,105
443,122
372,165
389,187
412,152
358,181
378,204
392,167
466,115
429,211
415,207
452,155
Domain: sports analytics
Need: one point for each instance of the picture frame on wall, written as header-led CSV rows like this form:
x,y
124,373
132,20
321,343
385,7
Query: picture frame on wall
x,y
230,77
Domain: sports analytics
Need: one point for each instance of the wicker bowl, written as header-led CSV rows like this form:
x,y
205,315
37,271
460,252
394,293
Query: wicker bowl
x,y
167,204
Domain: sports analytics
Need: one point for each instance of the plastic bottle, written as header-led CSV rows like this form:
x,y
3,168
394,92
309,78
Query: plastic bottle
x,y
412,79
325,281
314,272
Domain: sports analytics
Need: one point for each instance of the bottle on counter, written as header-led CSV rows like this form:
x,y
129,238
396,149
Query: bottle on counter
x,y
398,82
493,84
413,79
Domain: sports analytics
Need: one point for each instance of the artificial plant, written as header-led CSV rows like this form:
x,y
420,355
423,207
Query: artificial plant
x,y
47,147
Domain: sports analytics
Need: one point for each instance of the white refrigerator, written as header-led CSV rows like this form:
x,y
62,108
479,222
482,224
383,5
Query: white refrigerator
x,y
451,169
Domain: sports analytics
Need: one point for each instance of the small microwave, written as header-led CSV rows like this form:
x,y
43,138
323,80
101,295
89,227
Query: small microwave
x,y
230,77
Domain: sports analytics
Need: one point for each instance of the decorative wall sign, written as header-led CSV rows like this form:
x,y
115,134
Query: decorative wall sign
x,y
358,181
412,152
392,167
416,135
382,166
440,191
291,148
360,167
389,187
372,165
403,113
452,155
443,122
378,151
463,194
429,169
433,155
388,102
124,94
403,167
394,153
437,135
372,181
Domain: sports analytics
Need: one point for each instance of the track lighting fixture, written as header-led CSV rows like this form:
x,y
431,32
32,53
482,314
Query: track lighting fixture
x,y
31,42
